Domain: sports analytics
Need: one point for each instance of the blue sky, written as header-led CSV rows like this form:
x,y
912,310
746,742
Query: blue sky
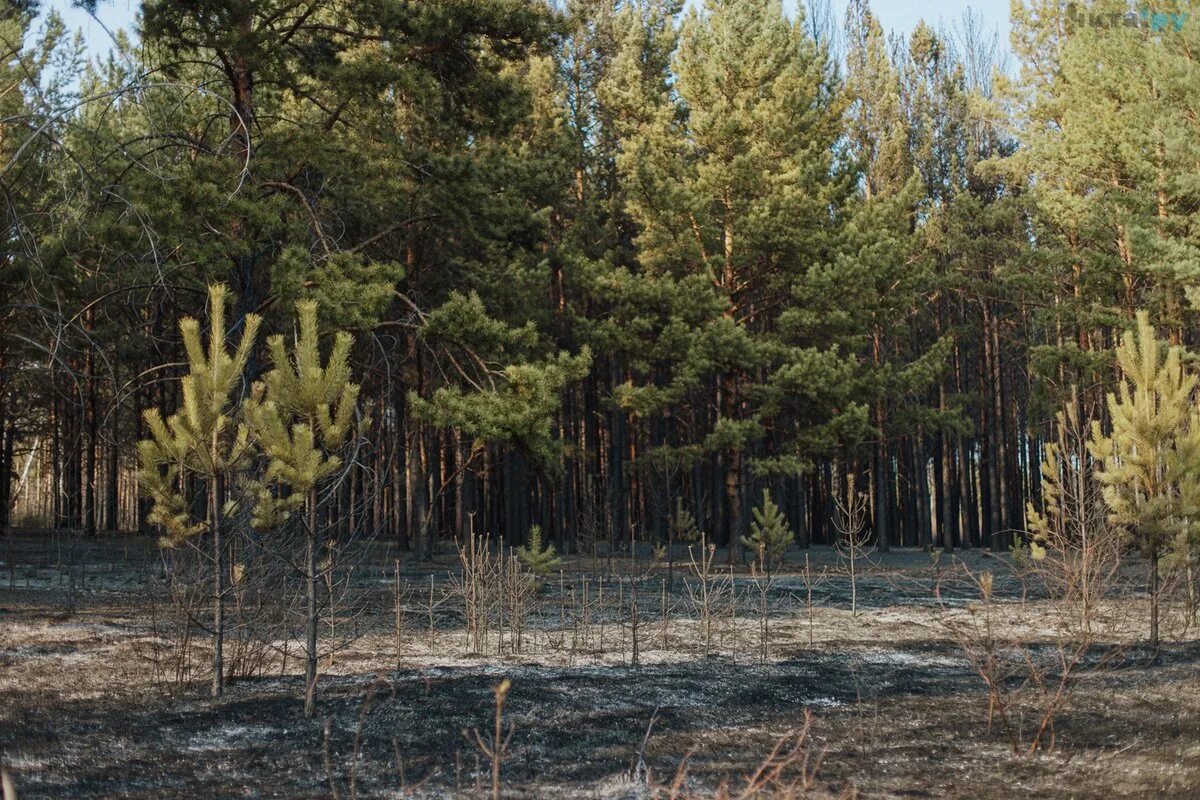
x,y
896,15
903,15
113,14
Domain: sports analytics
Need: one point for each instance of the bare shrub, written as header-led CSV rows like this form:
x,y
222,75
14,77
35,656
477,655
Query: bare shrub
x,y
259,613
811,581
518,591
177,651
1179,597
496,592
788,772
707,589
852,544
990,655
1073,560
1074,550
764,581
170,652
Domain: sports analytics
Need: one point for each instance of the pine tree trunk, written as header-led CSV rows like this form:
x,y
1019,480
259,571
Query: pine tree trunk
x,y
881,467
240,73
949,505
71,466
732,472
459,488
6,473
311,615
969,503
56,469
798,495
214,521
89,414
7,434
998,455
966,500
880,486
921,482
400,468
618,500
378,476
435,470
1154,598
112,482
418,482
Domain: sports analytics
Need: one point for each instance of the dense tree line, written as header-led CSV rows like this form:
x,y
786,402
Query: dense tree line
x,y
605,262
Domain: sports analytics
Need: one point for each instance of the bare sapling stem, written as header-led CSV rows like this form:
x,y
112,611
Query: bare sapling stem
x,y
496,750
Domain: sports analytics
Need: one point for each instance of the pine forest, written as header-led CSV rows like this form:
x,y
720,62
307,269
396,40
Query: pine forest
x,y
599,398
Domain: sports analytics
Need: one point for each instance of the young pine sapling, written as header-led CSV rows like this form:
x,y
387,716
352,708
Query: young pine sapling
x,y
1150,460
302,415
541,561
770,535
204,439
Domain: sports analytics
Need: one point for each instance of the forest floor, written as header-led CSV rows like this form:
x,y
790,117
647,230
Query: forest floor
x,y
898,708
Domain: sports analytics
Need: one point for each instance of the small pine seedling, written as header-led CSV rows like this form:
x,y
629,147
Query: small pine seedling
x,y
769,533
541,562
683,525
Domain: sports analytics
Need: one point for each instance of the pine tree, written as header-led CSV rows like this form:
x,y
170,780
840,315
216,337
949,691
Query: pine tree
x,y
682,524
541,561
730,185
303,415
37,69
770,535
1109,158
1151,456
205,438
312,165
882,274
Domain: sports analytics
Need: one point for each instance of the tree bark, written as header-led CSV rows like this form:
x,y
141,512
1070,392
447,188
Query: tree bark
x,y
312,615
218,555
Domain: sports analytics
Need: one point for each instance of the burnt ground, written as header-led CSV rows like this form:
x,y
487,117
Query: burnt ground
x,y
897,709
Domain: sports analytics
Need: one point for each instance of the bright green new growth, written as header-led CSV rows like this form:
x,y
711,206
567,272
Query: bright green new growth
x,y
202,438
541,562
1150,460
1048,524
161,461
205,439
301,415
304,410
769,533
